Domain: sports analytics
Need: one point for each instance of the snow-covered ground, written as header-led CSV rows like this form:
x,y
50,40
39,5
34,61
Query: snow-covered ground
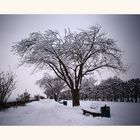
x,y
48,112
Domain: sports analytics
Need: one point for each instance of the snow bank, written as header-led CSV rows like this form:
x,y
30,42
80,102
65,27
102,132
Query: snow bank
x,y
48,112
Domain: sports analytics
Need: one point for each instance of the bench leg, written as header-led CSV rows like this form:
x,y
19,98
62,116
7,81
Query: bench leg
x,y
84,112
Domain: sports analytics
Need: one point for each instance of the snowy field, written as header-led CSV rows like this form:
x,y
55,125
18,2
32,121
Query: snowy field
x,y
48,112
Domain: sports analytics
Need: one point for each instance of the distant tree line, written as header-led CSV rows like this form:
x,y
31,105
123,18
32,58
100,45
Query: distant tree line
x,y
113,89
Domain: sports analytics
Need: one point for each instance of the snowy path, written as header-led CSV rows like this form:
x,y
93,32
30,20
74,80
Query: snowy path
x,y
48,112
45,112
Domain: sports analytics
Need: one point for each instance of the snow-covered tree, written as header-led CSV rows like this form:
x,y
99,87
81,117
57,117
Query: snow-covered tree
x,y
7,85
72,56
52,86
24,97
133,88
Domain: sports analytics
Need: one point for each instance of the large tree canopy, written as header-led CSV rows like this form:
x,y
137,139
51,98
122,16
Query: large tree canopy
x,y
71,56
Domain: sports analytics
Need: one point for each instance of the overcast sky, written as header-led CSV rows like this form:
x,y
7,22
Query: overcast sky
x,y
123,28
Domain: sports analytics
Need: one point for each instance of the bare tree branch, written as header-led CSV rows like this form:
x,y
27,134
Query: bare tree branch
x,y
72,56
7,85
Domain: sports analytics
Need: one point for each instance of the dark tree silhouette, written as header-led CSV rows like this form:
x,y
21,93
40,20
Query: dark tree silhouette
x,y
72,56
87,86
114,88
134,89
7,85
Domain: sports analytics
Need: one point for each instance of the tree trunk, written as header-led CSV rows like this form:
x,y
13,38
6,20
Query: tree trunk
x,y
75,97
136,93
127,99
136,98
55,97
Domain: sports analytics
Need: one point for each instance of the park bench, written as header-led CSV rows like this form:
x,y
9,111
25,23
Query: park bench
x,y
94,114
105,112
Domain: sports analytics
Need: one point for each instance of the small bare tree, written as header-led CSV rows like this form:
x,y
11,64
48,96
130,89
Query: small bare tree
x,y
7,85
72,56
52,86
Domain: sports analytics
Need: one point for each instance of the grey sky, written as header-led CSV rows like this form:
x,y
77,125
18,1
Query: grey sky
x,y
123,28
